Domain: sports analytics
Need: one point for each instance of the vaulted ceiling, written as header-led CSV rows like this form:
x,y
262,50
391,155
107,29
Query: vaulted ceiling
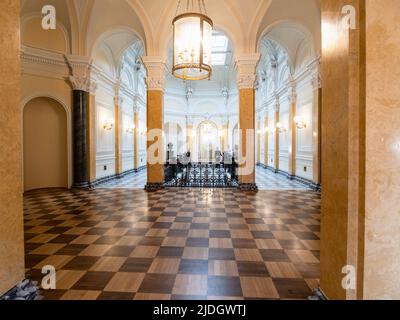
x,y
244,21
118,24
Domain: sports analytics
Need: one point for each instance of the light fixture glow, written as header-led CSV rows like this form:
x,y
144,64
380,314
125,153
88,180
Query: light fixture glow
x,y
193,35
300,123
280,128
108,124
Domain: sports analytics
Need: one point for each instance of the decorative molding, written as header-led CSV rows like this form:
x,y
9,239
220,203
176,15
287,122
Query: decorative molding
x,y
277,105
156,73
33,55
80,78
316,81
246,66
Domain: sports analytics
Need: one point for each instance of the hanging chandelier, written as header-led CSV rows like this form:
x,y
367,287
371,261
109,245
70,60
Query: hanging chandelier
x,y
192,42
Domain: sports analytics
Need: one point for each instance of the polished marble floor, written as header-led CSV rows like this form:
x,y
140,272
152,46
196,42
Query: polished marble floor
x,y
174,244
266,180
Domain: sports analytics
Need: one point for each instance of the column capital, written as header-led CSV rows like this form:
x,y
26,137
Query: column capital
x,y
277,106
316,81
136,104
189,121
118,91
156,72
292,90
80,77
246,66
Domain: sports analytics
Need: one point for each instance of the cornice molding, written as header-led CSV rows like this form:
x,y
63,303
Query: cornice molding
x,y
191,117
33,55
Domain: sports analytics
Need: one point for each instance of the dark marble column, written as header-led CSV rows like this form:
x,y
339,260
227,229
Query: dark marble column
x,y
80,146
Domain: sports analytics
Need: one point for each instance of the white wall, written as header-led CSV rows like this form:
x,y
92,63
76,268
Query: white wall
x,y
105,139
284,139
304,152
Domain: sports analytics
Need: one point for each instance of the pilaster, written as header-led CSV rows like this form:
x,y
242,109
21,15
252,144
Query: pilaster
x,y
246,67
155,80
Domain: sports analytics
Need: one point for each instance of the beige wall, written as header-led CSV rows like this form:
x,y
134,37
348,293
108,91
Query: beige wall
x,y
45,145
382,223
33,35
11,217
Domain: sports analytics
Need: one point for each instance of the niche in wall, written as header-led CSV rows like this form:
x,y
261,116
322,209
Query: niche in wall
x,y
45,145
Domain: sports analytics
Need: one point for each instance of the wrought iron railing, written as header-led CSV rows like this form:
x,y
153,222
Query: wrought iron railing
x,y
200,174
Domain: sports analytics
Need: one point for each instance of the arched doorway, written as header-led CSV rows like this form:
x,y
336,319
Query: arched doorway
x,y
208,140
45,144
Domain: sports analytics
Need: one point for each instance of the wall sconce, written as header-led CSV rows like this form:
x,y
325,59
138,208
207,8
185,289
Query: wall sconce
x,y
280,128
267,131
130,130
300,123
108,125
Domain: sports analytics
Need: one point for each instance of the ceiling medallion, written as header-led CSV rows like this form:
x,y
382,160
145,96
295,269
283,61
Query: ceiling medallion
x,y
192,45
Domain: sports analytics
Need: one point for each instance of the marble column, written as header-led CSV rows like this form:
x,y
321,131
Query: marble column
x,y
266,138
246,67
155,80
342,223
277,135
82,114
316,124
91,137
79,139
381,269
360,216
11,216
258,133
292,131
136,136
118,101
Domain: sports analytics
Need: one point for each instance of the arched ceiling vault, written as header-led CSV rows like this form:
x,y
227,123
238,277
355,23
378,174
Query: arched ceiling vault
x,y
244,21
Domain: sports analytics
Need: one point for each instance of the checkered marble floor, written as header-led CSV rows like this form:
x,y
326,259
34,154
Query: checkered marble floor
x,y
266,180
132,181
174,244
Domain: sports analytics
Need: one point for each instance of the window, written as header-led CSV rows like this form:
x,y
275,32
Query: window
x,y
219,49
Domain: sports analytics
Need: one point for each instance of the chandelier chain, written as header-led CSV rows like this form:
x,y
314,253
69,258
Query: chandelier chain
x,y
204,6
190,6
